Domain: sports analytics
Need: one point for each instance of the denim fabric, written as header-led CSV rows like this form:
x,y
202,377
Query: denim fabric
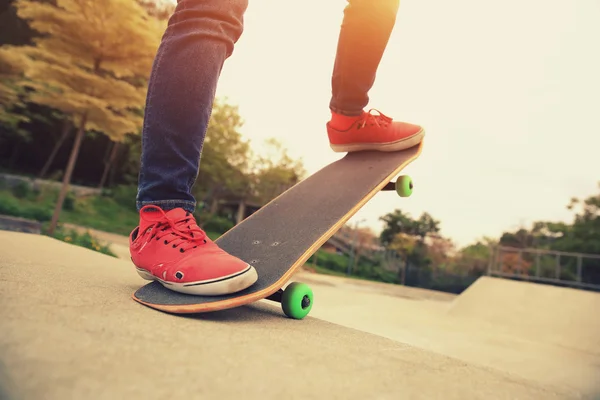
x,y
199,38
364,35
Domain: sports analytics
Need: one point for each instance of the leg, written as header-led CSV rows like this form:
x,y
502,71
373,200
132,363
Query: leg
x,y
168,245
200,36
364,35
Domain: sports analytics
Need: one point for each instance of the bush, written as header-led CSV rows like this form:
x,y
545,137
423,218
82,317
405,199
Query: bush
x,y
364,269
330,261
213,223
124,195
22,190
82,239
217,224
69,203
10,205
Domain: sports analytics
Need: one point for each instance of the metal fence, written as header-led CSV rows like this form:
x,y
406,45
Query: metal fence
x,y
577,270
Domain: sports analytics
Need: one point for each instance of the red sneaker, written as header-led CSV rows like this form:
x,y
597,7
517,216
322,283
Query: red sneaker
x,y
170,247
371,132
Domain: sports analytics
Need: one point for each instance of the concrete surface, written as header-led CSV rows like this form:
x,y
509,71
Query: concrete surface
x,y
461,328
69,330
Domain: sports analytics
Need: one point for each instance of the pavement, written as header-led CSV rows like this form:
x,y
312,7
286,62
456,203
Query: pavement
x,y
70,330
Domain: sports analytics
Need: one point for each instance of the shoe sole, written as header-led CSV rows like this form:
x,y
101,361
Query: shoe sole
x,y
214,287
398,145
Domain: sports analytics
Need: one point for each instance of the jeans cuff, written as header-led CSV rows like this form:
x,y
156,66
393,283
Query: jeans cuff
x,y
346,112
167,205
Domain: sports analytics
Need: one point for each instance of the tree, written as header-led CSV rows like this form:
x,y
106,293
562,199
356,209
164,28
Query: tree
x,y
395,222
440,251
361,241
91,64
225,157
514,263
584,233
404,245
521,239
474,258
12,76
109,159
580,236
66,129
274,172
399,222
406,236
229,170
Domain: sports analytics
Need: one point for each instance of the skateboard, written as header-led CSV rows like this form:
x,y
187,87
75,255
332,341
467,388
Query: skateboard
x,y
279,237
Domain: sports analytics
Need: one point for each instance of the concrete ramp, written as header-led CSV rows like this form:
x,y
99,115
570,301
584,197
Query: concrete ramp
x,y
69,330
543,313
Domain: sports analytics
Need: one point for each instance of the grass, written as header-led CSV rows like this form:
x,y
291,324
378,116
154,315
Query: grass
x,y
82,239
114,214
25,207
103,214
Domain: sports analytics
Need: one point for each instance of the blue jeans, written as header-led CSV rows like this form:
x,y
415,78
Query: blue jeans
x,y
199,38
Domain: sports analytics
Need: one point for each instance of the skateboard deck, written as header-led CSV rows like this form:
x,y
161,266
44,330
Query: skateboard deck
x,y
279,237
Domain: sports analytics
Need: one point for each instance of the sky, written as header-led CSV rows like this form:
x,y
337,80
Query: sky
x,y
508,93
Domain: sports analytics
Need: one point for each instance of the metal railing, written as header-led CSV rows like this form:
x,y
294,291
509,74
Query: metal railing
x,y
572,269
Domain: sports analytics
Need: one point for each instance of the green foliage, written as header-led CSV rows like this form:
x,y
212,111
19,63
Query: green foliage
x,y
21,207
330,261
12,72
431,261
229,170
129,168
102,213
22,190
123,195
225,156
582,235
213,223
82,239
273,173
406,236
338,264
398,222
450,282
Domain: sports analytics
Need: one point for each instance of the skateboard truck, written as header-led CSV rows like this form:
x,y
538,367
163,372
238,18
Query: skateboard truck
x,y
403,186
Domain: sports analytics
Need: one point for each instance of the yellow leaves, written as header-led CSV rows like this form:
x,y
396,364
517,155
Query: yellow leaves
x,y
73,81
12,69
115,125
114,33
93,58
403,243
11,63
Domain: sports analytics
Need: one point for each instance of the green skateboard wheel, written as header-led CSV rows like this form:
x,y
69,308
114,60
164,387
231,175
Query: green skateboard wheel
x,y
297,300
404,186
